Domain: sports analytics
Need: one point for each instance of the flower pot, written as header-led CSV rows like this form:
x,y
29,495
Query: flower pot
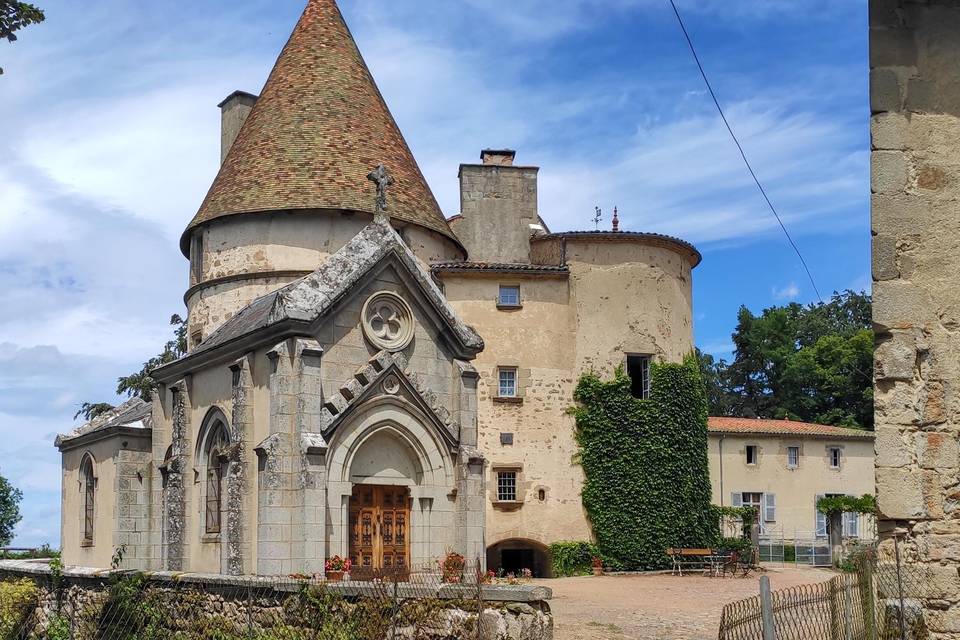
x,y
334,576
598,571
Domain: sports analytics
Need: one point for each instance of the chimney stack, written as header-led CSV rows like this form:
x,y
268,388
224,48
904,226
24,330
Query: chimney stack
x,y
233,112
500,157
498,208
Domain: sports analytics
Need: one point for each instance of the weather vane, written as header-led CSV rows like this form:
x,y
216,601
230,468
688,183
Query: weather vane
x,y
597,217
382,178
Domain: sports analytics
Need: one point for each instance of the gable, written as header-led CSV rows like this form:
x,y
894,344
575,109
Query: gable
x,y
301,307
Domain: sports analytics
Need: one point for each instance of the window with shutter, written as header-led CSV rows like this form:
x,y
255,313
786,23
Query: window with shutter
x,y
821,519
769,507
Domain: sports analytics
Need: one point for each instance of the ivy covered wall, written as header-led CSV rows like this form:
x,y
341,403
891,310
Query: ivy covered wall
x,y
647,482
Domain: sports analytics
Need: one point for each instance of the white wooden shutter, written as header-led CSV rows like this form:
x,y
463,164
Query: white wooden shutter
x,y
851,525
821,521
769,507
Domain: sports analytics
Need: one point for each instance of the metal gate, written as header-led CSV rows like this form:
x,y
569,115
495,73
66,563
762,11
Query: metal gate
x,y
772,544
813,551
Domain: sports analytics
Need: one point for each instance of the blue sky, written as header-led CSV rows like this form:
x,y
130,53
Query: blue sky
x,y
109,140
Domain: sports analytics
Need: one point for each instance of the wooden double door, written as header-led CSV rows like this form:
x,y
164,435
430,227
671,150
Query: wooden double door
x,y
379,531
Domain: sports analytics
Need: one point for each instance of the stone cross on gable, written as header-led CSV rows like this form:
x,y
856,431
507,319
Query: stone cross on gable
x,y
382,178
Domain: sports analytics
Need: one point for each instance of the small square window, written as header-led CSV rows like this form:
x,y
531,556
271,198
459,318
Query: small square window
x,y
506,438
509,296
507,387
751,454
506,486
793,457
835,457
638,368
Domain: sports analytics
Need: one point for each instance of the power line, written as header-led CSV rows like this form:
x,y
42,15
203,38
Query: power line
x,y
742,154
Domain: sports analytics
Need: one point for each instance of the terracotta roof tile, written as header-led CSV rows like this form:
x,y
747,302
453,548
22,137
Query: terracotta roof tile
x,y
318,128
717,424
468,265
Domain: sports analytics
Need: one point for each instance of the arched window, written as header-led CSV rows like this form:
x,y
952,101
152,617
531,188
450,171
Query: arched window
x,y
88,484
212,451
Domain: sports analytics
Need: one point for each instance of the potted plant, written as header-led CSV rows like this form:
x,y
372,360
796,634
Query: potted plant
x,y
335,567
452,567
597,562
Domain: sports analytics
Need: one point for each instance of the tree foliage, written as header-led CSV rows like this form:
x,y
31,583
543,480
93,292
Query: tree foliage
x,y
140,383
803,362
646,484
15,16
10,498
830,505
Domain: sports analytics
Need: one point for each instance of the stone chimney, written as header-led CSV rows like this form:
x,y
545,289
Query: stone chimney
x,y
498,205
501,157
233,112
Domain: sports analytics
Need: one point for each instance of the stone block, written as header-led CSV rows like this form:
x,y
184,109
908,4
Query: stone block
x,y
934,409
900,494
889,131
890,447
896,357
885,258
898,304
888,172
884,90
921,96
892,48
937,450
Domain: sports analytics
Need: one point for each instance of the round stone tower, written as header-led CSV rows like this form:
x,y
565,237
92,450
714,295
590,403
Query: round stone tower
x,y
292,186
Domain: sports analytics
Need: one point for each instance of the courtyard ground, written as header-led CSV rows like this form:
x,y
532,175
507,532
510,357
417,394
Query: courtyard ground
x,y
656,606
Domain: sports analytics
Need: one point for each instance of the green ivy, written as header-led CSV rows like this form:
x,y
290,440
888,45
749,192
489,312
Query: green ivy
x,y
572,558
866,503
647,481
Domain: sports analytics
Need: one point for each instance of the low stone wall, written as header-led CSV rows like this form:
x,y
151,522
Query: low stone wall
x,y
90,603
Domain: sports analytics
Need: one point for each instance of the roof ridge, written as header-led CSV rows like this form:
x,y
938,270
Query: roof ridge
x,y
319,126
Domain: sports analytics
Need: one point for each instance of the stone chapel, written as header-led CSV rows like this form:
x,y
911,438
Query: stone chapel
x,y
365,376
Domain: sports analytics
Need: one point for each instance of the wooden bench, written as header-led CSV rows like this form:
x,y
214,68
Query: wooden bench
x,y
690,558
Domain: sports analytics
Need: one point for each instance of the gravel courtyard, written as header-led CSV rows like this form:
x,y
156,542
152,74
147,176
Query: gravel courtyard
x,y
655,606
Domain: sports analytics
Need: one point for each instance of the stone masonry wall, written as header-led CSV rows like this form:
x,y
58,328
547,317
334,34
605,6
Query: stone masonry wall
x,y
915,165
190,605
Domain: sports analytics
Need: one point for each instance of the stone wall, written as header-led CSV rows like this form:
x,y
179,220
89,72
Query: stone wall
x,y
209,605
915,129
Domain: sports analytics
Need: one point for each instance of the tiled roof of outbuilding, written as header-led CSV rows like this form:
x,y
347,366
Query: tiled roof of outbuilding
x,y
717,424
319,127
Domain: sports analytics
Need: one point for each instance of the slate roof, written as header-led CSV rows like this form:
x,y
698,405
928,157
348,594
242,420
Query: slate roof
x,y
468,265
134,414
319,127
309,298
762,426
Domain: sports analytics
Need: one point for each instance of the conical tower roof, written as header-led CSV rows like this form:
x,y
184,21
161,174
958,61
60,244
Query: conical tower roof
x,y
319,127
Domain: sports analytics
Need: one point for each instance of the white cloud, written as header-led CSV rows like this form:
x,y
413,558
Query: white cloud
x,y
788,292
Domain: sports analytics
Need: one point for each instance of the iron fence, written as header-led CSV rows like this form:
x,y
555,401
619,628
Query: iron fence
x,y
423,603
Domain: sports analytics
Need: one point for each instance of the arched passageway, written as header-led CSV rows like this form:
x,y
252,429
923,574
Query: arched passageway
x,y
516,554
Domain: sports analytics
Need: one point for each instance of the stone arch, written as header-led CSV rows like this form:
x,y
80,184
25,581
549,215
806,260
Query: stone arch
x,y
210,456
429,473
401,421
512,555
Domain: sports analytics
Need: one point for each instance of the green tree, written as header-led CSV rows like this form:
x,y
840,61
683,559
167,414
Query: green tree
x,y
140,384
10,498
720,400
15,16
811,363
90,410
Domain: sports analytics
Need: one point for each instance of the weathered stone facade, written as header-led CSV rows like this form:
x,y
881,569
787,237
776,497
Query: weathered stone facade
x,y
915,128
